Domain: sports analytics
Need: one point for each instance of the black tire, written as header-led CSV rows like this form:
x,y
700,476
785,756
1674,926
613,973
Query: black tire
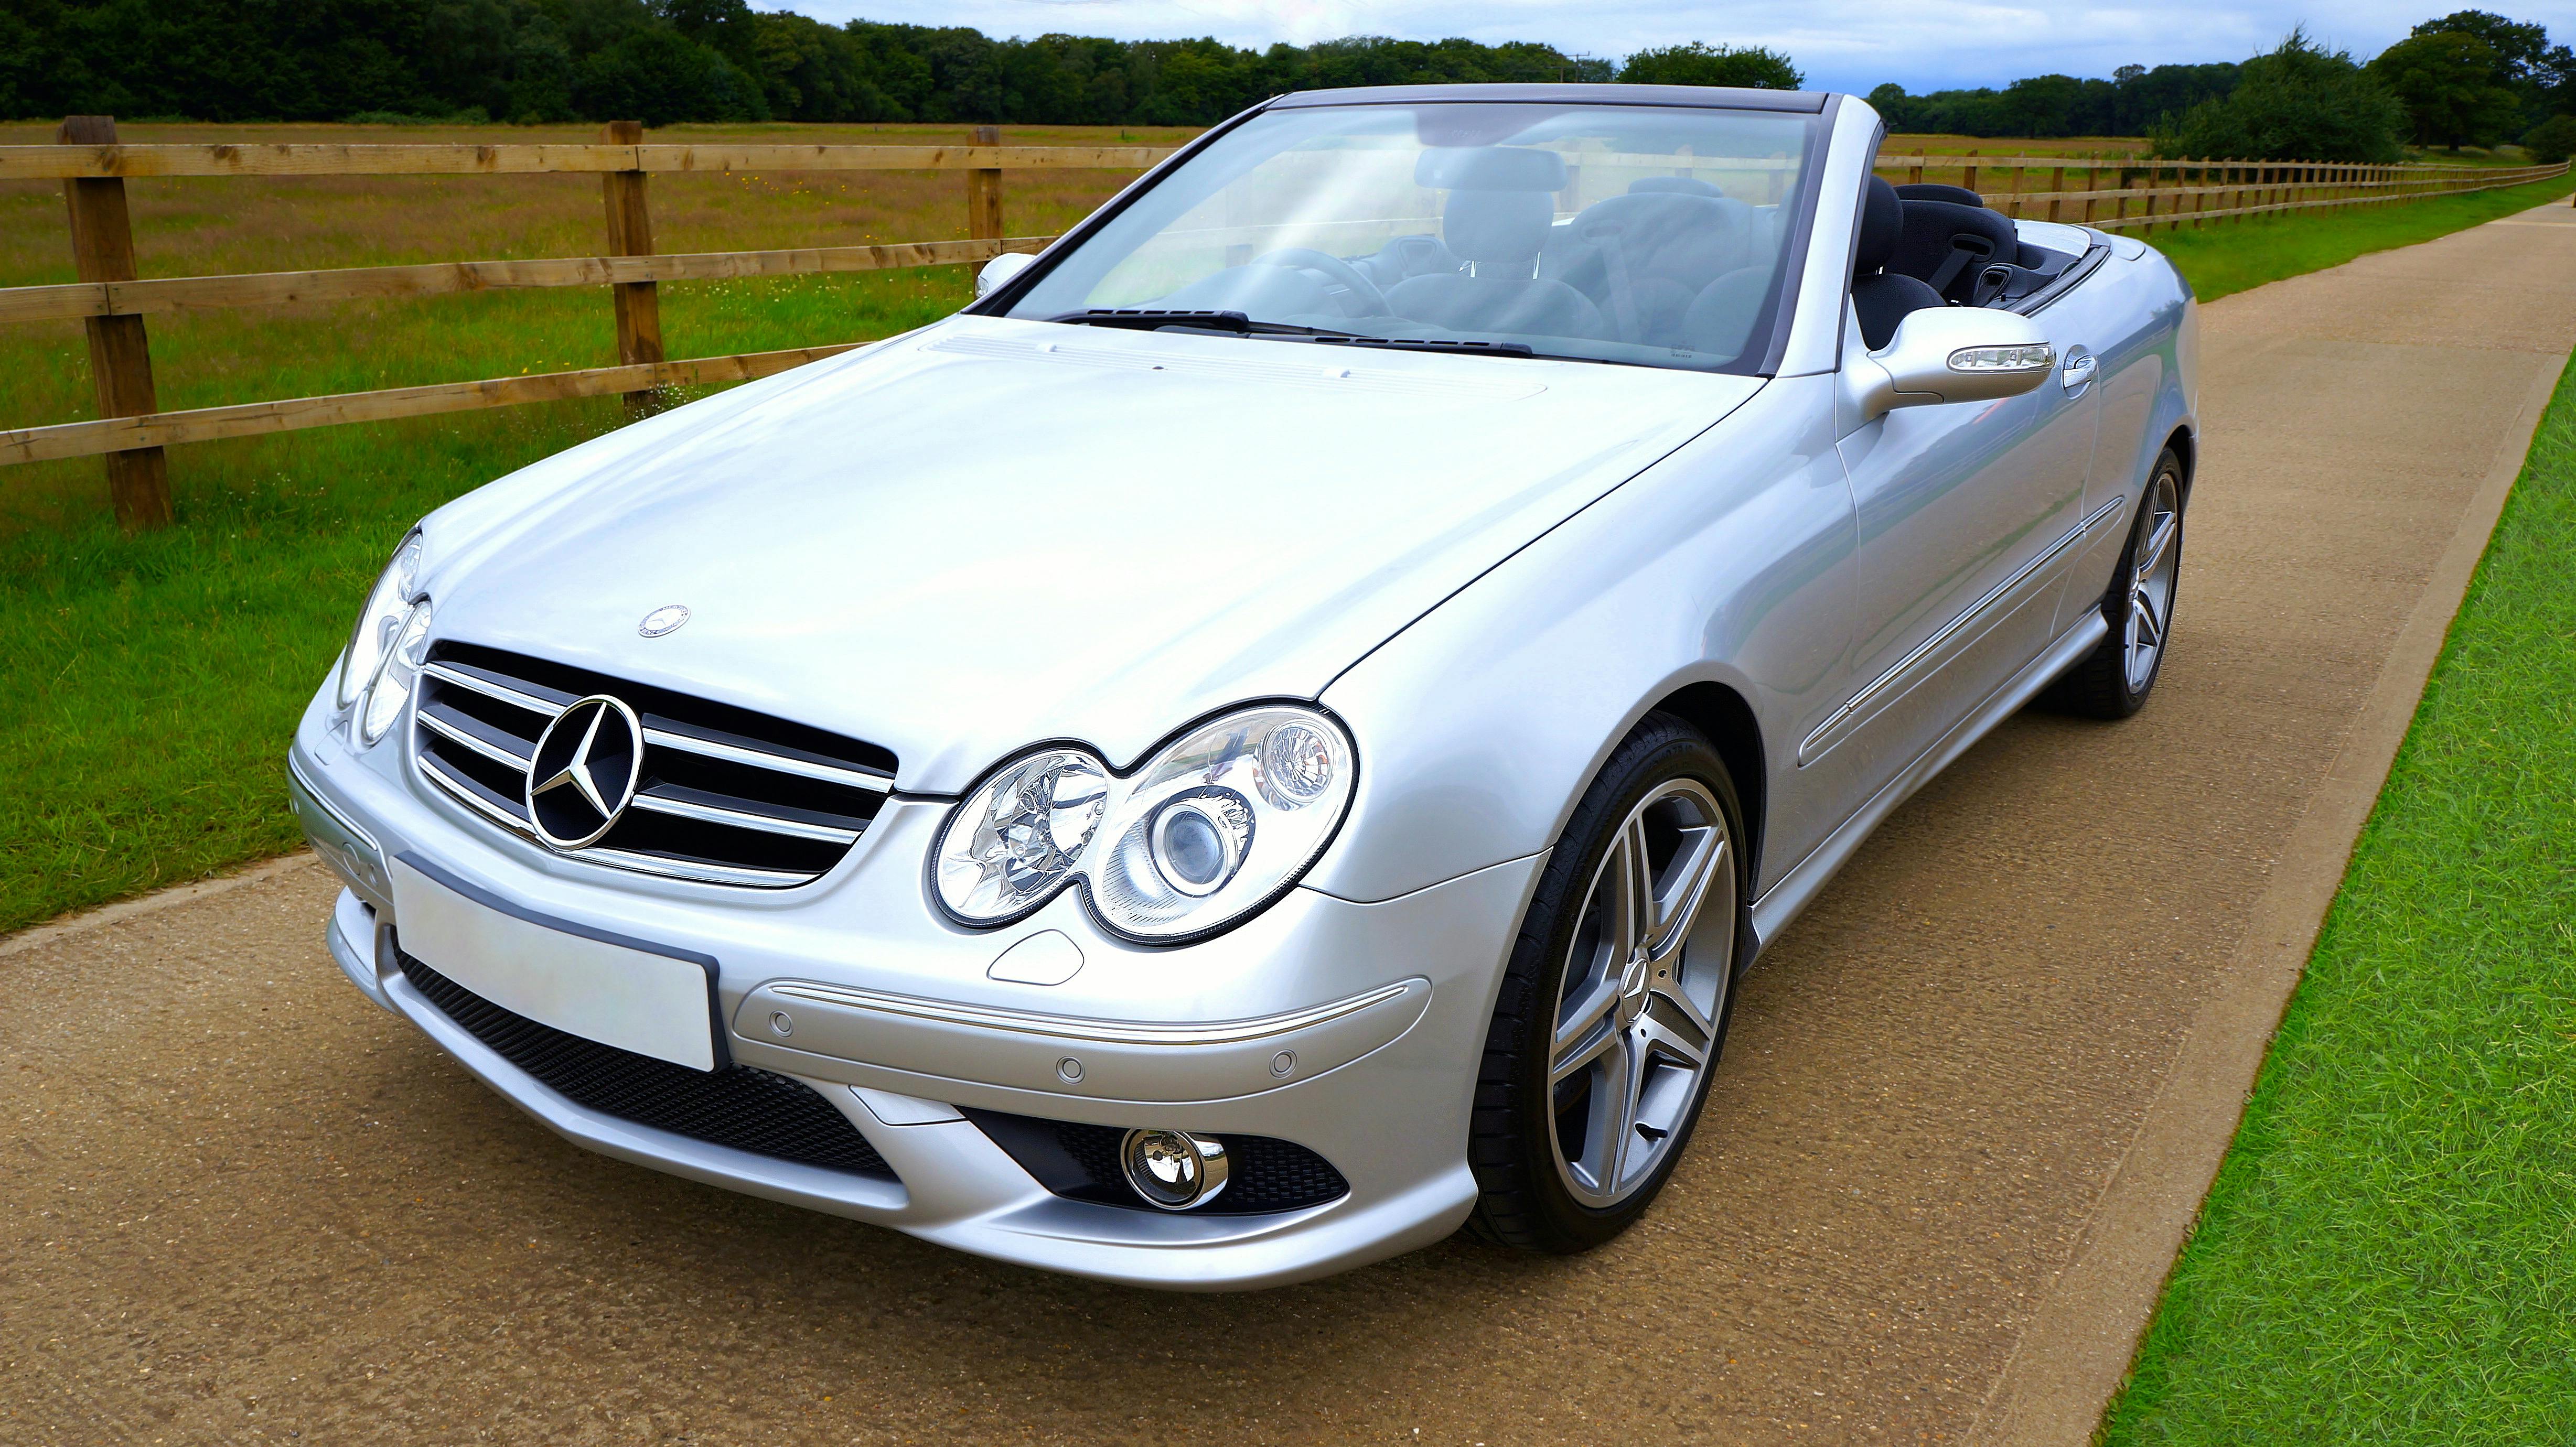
x,y
1525,1199
2106,683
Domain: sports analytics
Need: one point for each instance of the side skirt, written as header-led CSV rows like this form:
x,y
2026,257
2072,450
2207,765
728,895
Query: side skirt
x,y
1786,900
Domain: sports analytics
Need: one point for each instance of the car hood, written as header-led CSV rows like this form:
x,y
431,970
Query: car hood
x,y
991,533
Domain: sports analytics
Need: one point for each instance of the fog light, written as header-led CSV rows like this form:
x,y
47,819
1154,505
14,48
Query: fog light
x,y
1174,1169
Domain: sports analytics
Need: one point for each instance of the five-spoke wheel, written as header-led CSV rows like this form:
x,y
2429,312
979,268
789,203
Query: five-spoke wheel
x,y
1636,1014
1614,1006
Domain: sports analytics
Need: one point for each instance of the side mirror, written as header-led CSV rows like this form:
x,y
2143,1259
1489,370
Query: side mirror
x,y
1954,354
1001,269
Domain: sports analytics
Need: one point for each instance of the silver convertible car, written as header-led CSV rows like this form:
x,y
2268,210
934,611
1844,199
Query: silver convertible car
x,y
1270,736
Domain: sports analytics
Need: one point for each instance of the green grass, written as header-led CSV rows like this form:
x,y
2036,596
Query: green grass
x,y
2233,256
2389,1254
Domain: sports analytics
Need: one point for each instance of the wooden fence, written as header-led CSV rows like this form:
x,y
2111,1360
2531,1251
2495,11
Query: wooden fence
x,y
112,302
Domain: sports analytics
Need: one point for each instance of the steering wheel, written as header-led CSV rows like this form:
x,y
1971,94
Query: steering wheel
x,y
1346,276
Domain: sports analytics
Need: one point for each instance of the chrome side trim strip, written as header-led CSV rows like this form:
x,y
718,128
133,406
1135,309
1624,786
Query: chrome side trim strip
x,y
489,689
480,745
1069,1027
739,819
1853,713
1782,902
762,759
689,868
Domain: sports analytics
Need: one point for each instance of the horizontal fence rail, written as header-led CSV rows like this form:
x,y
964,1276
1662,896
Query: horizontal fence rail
x,y
252,419
2113,192
307,158
360,283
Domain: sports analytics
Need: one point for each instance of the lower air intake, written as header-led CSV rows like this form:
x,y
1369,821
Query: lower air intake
x,y
746,1109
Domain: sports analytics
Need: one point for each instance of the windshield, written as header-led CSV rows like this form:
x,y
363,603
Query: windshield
x,y
1629,234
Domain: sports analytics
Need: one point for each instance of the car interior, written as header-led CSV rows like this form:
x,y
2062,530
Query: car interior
x,y
1928,246
1673,262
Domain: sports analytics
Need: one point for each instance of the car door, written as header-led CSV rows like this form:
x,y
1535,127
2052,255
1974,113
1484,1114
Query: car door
x,y
1965,512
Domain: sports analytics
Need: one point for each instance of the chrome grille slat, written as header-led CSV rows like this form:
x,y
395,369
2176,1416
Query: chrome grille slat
x,y
467,738
690,868
489,689
659,803
725,796
466,791
762,759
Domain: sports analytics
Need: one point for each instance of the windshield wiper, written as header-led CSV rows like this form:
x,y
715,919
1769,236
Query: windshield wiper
x,y
1154,319
1149,319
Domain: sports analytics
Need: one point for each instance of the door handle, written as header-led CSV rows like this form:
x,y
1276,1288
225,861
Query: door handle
x,y
2078,373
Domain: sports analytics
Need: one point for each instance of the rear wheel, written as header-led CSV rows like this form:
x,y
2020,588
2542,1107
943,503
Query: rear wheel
x,y
1615,1003
2112,682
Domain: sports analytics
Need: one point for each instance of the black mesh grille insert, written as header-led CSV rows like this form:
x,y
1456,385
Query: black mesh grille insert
x,y
1081,1162
747,1109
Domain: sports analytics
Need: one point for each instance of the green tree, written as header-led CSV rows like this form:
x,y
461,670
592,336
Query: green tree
x,y
2452,85
2551,141
2300,102
660,76
1700,63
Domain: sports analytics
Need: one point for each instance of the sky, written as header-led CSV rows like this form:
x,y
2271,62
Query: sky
x,y
1840,44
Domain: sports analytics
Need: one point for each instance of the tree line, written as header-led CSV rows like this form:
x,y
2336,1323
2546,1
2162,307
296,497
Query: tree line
x,y
2469,78
705,60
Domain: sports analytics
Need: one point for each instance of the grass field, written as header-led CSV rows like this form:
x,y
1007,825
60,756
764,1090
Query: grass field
x,y
147,685
2389,1254
2230,256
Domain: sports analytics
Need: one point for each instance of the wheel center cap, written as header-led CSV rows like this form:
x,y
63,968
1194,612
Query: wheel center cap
x,y
1632,990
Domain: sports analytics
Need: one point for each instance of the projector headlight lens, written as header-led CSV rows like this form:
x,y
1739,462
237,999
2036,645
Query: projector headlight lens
x,y
1212,828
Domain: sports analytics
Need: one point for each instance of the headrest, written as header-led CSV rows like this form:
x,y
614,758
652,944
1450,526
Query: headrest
x,y
1505,228
1934,191
1686,185
1882,225
1490,168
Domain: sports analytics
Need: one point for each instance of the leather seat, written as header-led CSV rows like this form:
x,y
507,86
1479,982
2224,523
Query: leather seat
x,y
1882,297
1500,211
1947,244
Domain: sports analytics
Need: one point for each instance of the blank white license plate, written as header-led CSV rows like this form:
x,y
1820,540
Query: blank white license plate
x,y
585,982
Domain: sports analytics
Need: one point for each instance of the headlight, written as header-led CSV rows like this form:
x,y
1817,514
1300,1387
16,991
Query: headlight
x,y
387,603
1209,830
393,619
392,688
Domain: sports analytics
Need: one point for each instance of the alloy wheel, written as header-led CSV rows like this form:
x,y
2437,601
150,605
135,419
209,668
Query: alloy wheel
x,y
2151,582
1644,985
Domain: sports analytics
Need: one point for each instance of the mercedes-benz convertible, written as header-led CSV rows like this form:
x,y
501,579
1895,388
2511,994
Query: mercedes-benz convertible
x,y
1270,736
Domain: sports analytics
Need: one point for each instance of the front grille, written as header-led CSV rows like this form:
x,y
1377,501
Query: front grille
x,y
1081,1162
724,796
738,1106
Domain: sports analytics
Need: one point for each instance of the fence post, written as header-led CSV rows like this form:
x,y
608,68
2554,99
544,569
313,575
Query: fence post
x,y
630,233
1971,181
120,356
984,192
2014,206
2056,189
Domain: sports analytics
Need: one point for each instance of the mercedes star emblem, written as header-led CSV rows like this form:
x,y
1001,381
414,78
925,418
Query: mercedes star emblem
x,y
665,619
584,775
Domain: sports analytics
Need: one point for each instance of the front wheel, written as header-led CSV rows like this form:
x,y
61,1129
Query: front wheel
x,y
1615,1003
2113,680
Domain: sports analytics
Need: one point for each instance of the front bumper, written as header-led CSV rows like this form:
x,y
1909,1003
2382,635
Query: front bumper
x,y
1353,1030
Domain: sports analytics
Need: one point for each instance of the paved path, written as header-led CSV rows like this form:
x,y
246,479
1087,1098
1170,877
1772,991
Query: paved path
x,y
1946,1161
